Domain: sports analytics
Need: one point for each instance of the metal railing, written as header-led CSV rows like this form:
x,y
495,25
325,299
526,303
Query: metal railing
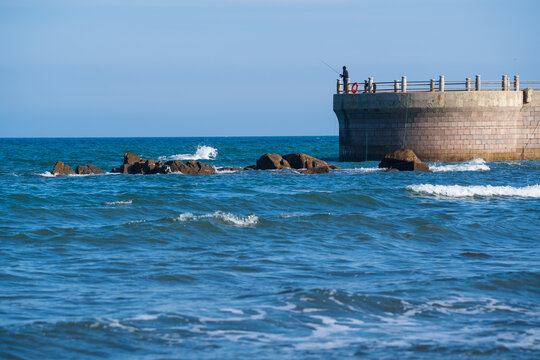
x,y
434,85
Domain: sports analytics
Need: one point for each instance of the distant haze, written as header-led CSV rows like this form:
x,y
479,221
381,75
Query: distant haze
x,y
236,68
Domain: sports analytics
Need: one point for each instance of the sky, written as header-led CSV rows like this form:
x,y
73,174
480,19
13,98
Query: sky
x,y
123,68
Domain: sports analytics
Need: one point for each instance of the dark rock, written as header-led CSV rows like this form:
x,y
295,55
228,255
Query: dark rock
x,y
88,170
130,158
134,164
272,161
95,169
317,170
134,168
251,167
304,161
118,170
403,160
62,169
151,166
193,167
474,255
392,170
190,168
174,166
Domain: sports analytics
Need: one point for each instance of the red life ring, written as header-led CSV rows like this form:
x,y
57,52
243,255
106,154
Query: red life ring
x,y
354,88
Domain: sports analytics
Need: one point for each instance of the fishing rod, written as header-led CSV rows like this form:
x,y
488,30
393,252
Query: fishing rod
x,y
337,72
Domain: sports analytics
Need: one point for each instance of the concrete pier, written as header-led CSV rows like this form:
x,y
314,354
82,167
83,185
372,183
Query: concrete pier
x,y
440,125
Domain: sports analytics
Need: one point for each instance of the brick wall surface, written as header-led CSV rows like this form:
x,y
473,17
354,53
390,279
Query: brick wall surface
x,y
441,133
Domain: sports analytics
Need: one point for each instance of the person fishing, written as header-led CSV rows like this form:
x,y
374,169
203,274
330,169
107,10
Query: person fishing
x,y
345,74
345,77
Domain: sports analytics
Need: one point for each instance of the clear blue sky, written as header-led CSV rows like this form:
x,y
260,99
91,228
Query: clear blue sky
x,y
81,68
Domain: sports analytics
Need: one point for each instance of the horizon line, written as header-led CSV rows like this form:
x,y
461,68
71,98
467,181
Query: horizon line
x,y
156,137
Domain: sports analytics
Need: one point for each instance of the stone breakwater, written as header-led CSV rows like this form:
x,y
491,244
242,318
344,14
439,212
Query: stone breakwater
x,y
440,126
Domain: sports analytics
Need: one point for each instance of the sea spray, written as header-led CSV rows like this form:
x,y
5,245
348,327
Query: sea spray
x,y
203,152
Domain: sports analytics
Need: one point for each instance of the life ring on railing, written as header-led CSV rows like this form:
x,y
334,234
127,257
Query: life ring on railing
x,y
354,88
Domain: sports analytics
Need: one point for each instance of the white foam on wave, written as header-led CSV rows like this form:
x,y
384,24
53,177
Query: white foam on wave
x,y
471,165
231,310
459,191
49,174
227,218
144,317
121,202
203,152
220,171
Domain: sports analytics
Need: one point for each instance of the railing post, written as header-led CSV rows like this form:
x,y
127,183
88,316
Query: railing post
x,y
396,86
432,85
478,83
441,83
468,84
403,84
516,82
339,86
347,85
370,85
505,83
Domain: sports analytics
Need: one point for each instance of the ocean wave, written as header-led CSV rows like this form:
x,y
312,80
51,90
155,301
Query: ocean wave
x,y
121,202
227,218
532,191
203,152
471,165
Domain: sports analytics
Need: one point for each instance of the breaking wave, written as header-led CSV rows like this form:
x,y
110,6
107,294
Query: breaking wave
x,y
227,218
532,191
471,165
203,152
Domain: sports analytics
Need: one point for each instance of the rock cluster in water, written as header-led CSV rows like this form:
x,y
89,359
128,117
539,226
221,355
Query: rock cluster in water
x,y
311,164
403,160
64,169
399,160
134,164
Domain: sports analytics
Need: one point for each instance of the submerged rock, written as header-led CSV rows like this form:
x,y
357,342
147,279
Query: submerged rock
x,y
62,169
317,170
475,255
271,162
230,168
403,160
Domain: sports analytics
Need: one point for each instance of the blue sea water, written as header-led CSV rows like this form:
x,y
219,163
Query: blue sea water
x,y
264,264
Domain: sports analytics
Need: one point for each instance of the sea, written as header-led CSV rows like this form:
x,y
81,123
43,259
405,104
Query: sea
x,y
357,263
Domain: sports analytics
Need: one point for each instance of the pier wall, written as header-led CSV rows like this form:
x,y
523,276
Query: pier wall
x,y
447,126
